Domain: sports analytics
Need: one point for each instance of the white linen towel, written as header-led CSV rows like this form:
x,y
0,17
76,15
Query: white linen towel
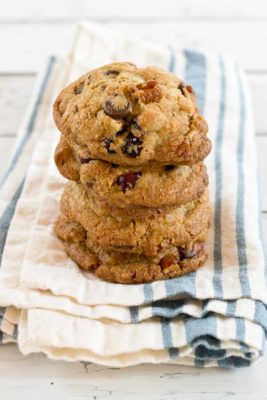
x,y
215,316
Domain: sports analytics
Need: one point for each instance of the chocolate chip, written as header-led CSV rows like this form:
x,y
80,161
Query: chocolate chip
x,y
85,160
117,107
128,181
182,87
78,89
107,142
121,131
114,165
169,167
194,252
132,146
112,73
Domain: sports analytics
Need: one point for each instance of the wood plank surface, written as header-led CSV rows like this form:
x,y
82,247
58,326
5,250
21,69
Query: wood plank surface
x,y
15,94
23,377
24,46
60,10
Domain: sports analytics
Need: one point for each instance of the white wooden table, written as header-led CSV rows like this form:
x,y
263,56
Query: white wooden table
x,y
32,29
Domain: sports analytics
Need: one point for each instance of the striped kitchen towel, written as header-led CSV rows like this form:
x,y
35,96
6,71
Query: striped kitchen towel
x,y
215,316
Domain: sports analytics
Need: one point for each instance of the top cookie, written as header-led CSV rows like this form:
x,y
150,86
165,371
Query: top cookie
x,y
129,116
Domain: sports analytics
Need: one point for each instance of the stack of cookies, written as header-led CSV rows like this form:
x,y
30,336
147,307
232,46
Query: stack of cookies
x,y
136,206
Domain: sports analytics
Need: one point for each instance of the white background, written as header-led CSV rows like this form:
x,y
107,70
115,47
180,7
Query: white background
x,y
32,29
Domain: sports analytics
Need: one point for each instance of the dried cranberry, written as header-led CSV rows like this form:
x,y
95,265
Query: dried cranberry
x,y
128,181
132,146
194,252
107,142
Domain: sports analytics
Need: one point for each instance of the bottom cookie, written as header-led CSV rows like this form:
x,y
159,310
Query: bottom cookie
x,y
127,268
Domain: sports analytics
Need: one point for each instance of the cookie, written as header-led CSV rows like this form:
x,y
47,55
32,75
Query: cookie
x,y
149,185
129,116
129,234
127,268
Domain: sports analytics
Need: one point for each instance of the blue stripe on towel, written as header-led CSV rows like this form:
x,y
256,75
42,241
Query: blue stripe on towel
x,y
168,308
234,362
240,329
260,314
203,327
31,122
167,338
172,63
231,307
185,285
7,217
134,314
196,75
240,206
148,293
166,333
217,282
